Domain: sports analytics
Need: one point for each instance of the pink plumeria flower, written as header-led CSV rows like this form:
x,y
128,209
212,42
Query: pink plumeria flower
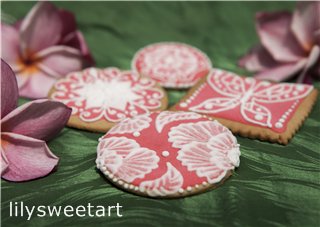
x,y
290,44
25,130
43,47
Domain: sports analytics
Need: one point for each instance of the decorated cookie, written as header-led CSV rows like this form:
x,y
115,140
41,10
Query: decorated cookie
x,y
172,65
250,107
101,97
168,154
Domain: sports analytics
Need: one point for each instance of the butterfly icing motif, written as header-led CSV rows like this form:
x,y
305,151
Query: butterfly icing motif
x,y
256,100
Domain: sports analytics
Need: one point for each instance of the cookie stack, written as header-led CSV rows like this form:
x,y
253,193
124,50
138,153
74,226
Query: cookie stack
x,y
190,149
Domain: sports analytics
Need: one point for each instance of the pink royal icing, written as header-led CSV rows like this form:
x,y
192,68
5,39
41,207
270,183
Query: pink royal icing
x,y
107,94
173,65
247,100
177,152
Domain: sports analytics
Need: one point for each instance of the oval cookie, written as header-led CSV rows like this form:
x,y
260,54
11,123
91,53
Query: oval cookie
x,y
172,65
168,154
101,97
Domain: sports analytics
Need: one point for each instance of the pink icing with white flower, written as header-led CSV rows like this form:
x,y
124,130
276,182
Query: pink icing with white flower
x,y
189,152
247,100
173,65
107,94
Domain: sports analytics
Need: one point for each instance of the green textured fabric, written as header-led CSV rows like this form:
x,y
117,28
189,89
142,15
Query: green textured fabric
x,y
275,185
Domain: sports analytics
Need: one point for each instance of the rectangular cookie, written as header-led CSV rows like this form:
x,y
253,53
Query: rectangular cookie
x,y
250,107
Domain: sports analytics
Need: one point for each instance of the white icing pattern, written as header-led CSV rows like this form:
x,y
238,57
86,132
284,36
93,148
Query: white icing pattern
x,y
167,184
107,94
252,96
167,117
126,159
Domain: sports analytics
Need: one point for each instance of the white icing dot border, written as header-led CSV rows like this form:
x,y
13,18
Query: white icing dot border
x,y
185,103
283,118
182,191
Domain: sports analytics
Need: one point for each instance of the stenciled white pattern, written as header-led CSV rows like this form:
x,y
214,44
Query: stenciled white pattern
x,y
169,183
167,117
125,158
107,94
250,94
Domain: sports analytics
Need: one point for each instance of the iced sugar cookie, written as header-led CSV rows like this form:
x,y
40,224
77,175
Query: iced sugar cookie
x,y
250,107
101,97
168,154
172,65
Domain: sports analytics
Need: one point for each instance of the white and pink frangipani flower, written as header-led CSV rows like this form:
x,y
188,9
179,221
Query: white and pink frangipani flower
x,y
290,44
43,47
25,130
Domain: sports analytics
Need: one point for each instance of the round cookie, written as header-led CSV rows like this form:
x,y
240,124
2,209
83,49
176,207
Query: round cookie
x,y
101,97
168,154
172,65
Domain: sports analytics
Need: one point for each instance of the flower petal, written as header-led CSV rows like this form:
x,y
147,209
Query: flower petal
x,y
305,22
58,61
22,79
41,28
35,85
9,89
314,57
40,119
28,158
4,162
281,72
68,22
76,40
257,59
10,48
276,36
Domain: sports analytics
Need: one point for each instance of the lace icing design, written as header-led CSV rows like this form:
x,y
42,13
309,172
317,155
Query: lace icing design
x,y
256,99
207,148
172,64
198,152
107,94
166,117
212,164
125,158
132,125
200,132
167,184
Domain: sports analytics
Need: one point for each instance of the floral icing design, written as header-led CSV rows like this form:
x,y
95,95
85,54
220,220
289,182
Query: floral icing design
x,y
207,147
247,100
191,153
168,183
172,64
107,94
132,125
126,159
166,117
199,132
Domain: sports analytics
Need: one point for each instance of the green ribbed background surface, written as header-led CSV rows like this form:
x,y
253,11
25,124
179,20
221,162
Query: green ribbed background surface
x,y
274,186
